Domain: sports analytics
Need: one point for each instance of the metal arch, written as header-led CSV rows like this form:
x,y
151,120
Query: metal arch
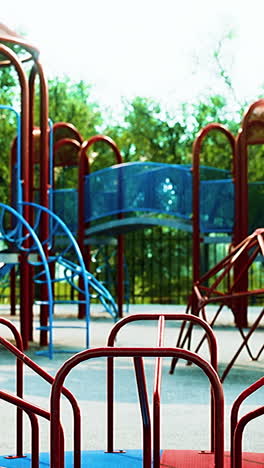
x,y
54,218
137,353
84,169
78,269
15,237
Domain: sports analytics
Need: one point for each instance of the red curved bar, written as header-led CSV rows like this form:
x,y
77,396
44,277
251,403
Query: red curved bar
x,y
106,139
238,434
84,169
25,278
181,317
110,364
19,382
236,406
197,147
241,180
42,373
108,352
37,71
69,128
144,406
75,144
31,411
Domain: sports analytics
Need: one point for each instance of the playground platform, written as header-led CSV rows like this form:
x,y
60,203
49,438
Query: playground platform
x,y
185,395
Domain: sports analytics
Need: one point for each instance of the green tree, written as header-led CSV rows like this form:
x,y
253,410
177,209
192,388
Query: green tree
x,y
71,102
216,150
149,133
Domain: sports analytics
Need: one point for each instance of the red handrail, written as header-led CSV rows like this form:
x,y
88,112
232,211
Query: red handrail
x,y
108,352
19,382
110,364
42,373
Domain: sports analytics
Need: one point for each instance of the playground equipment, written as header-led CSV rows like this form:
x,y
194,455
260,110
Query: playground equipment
x,y
83,206
131,196
23,245
150,455
178,198
221,286
206,201
68,203
176,195
21,240
28,53
32,148
8,268
61,249
227,282
67,264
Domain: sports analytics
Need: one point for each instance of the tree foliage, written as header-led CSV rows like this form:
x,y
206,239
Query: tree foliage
x,y
149,133
71,102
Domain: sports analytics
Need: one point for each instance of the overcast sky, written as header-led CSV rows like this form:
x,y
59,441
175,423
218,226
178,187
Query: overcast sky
x,y
161,49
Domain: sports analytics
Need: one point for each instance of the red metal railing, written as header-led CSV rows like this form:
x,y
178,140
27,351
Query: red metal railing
x,y
22,358
158,352
109,352
19,383
84,169
110,367
237,427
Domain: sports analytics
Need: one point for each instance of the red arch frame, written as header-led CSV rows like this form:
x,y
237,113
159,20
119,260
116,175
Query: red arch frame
x,y
197,148
84,169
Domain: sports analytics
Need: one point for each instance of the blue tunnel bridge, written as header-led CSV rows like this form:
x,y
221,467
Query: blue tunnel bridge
x,y
132,196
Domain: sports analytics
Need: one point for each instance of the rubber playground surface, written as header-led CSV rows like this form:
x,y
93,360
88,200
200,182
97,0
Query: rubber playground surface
x,y
185,394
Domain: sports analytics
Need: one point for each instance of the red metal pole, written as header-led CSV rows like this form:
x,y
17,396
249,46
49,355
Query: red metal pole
x,y
238,434
24,267
197,148
239,306
144,406
84,169
85,166
236,406
156,396
246,137
30,409
19,384
73,144
37,70
13,202
21,357
32,162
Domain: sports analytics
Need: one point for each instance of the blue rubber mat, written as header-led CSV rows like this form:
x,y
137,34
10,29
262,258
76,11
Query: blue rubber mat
x,y
96,459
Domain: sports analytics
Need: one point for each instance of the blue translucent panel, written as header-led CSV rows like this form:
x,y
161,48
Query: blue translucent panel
x,y
139,187
217,205
162,189
65,203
